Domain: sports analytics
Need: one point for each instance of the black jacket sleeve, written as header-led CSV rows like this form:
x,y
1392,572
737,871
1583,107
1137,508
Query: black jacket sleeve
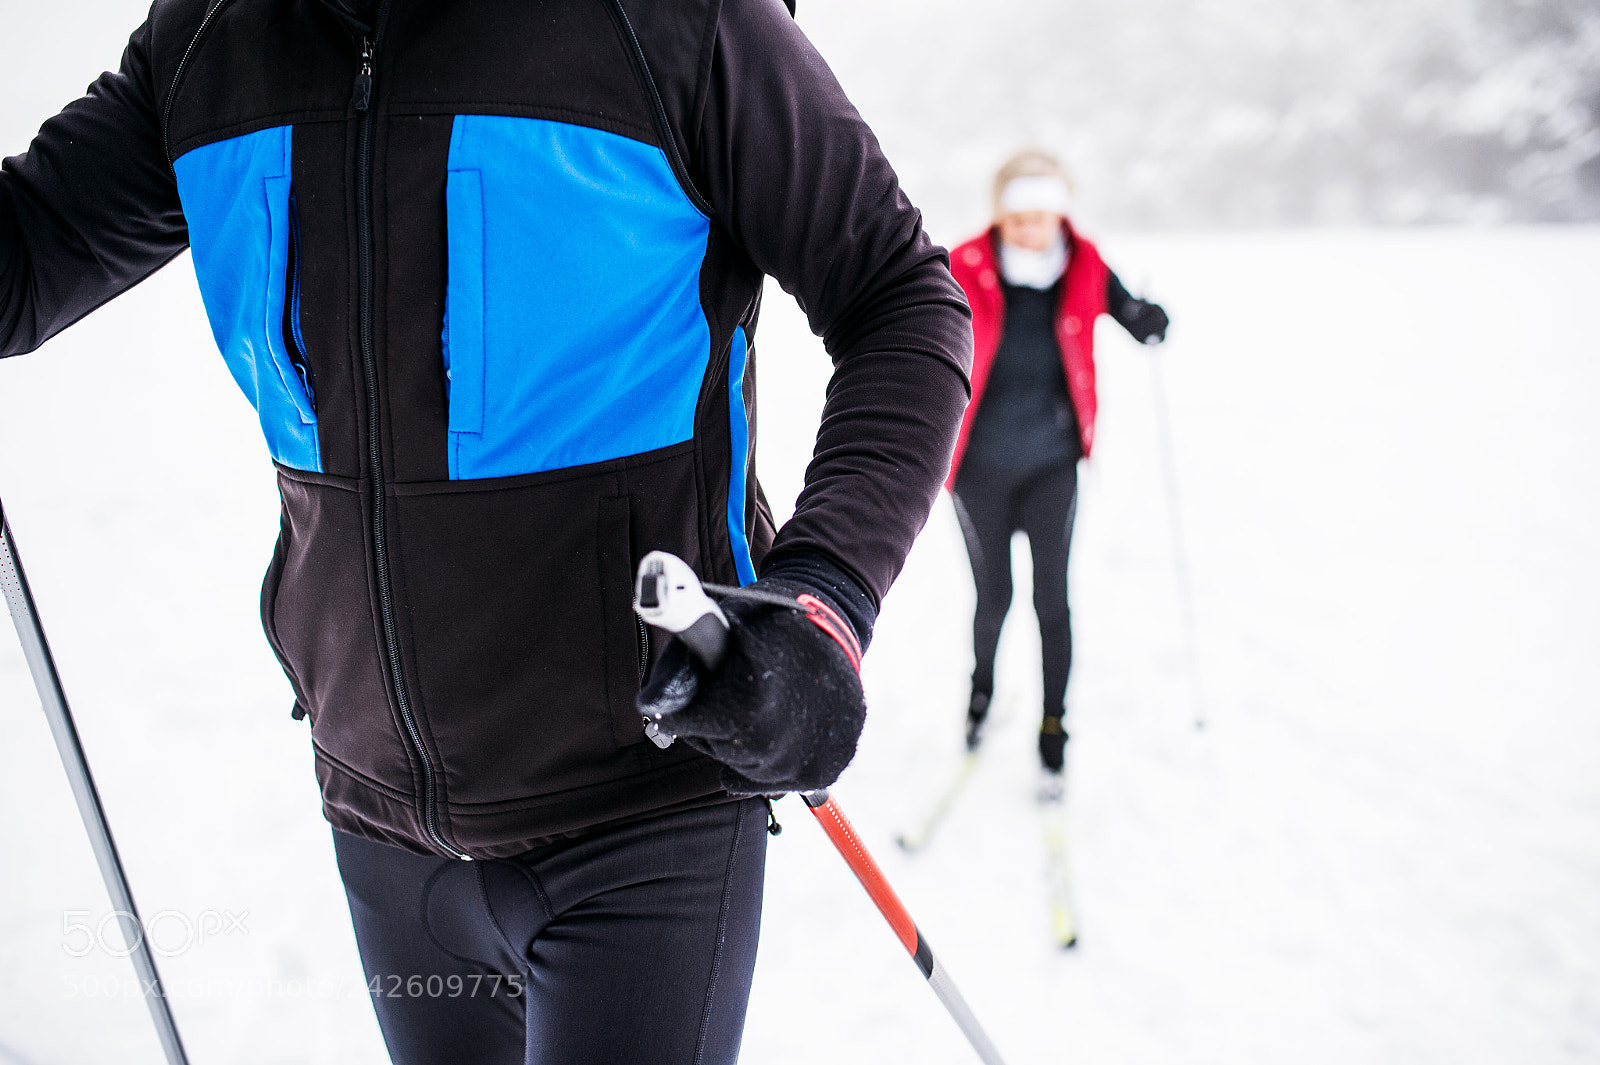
x,y
1141,318
90,210
1117,298
799,182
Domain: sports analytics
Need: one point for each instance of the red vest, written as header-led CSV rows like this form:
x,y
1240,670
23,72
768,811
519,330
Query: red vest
x,y
1083,299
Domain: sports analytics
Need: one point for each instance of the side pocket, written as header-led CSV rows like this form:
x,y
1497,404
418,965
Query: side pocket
x,y
624,649
462,338
282,251
294,339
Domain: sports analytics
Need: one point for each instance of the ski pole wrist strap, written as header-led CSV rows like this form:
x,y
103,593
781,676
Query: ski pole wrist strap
x,y
828,620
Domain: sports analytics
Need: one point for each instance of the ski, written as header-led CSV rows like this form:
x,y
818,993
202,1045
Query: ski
x,y
1064,923
917,837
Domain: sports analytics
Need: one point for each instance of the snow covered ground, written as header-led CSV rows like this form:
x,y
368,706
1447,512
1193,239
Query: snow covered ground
x,y
1385,846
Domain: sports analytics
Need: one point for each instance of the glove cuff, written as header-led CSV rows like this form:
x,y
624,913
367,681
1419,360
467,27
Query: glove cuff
x,y
824,578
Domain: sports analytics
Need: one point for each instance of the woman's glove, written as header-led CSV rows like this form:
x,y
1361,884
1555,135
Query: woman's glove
x,y
786,708
1146,321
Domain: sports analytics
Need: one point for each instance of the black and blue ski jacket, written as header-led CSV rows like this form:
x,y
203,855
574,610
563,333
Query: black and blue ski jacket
x,y
489,271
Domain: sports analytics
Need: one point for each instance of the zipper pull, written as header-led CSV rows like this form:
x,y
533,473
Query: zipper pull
x,y
361,99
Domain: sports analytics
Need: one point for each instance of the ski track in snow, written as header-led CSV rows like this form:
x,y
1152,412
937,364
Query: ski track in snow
x,y
1384,848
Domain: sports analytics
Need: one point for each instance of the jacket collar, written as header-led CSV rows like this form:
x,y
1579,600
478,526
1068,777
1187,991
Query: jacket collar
x,y
357,16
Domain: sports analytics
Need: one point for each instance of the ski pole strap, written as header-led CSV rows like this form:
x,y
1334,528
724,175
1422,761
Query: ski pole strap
x,y
854,852
827,619
820,613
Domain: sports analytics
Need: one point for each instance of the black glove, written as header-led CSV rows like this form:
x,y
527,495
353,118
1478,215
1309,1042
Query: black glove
x,y
1145,320
785,710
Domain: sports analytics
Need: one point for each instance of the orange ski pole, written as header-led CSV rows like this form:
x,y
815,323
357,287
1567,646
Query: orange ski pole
x,y
669,596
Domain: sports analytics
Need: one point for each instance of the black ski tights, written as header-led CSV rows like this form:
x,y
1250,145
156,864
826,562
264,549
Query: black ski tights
x,y
629,946
992,504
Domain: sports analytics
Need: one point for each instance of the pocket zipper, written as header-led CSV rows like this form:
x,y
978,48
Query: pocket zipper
x,y
296,340
644,648
444,345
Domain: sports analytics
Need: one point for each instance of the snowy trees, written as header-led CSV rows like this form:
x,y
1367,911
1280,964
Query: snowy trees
x,y
1254,112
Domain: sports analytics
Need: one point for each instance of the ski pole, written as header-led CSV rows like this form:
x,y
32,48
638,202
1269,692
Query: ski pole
x,y
14,585
669,596
1169,471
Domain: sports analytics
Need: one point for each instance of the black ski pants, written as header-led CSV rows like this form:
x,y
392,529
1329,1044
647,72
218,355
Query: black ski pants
x,y
992,504
629,946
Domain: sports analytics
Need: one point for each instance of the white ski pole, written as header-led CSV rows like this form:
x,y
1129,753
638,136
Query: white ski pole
x,y
669,596
14,585
1180,561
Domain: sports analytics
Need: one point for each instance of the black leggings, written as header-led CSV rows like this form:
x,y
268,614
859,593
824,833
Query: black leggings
x,y
632,945
992,504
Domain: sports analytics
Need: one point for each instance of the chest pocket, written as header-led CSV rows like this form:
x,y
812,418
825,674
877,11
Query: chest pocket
x,y
573,328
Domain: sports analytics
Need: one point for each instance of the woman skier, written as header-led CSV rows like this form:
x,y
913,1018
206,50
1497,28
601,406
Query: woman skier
x,y
1036,288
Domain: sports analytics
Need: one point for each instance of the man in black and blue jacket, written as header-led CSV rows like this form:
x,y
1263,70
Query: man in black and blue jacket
x,y
489,271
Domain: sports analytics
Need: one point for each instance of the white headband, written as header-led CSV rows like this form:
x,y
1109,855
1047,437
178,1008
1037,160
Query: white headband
x,y
1037,192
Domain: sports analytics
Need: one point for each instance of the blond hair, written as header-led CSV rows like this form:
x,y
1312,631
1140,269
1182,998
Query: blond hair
x,y
1029,162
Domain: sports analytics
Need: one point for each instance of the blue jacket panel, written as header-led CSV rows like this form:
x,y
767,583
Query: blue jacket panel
x,y
574,330
236,198
739,447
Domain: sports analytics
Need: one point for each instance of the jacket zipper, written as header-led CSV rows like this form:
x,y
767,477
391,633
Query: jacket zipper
x,y
177,78
361,99
658,110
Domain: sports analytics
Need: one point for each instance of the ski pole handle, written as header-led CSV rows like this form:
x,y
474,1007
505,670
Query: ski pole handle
x,y
669,596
